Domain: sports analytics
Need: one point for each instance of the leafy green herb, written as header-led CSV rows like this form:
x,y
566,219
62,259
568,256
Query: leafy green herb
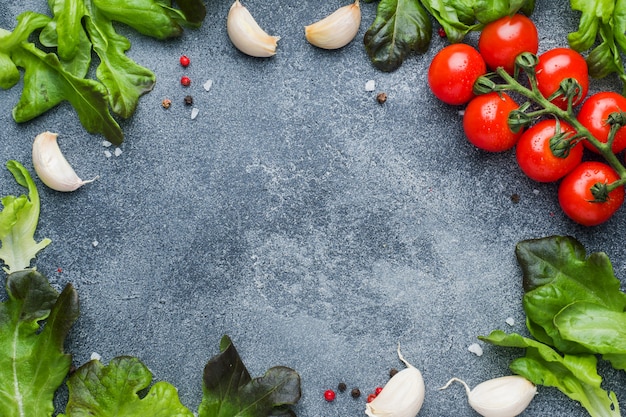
x,y
603,21
404,26
230,391
112,390
18,221
574,375
400,27
32,361
575,310
76,27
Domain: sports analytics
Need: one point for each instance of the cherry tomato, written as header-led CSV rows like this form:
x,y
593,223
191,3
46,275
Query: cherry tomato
x,y
485,122
453,71
501,41
594,113
535,157
555,66
575,195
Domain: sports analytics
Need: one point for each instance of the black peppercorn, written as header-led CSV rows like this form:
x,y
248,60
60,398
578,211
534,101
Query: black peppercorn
x,y
341,387
355,393
392,372
188,100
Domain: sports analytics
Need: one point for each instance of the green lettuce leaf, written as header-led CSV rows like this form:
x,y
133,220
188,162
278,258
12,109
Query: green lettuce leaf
x,y
603,24
574,375
400,27
556,273
229,391
32,361
18,222
112,391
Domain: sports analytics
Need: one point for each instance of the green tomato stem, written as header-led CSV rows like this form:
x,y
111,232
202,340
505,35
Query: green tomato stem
x,y
547,107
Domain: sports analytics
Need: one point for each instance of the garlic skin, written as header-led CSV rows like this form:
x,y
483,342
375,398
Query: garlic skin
x,y
246,34
51,166
402,396
337,29
507,396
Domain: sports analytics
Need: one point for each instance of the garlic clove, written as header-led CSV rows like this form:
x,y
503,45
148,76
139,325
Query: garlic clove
x,y
51,166
402,396
507,396
337,29
246,34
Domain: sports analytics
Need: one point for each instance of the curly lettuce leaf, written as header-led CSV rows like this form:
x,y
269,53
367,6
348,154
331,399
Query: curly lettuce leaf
x,y
32,360
400,27
557,272
229,390
18,222
603,24
574,375
113,390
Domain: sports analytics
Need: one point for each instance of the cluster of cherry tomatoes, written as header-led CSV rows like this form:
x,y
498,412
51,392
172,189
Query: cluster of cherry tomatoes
x,y
452,75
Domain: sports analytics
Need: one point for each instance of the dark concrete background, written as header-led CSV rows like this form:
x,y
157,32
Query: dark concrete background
x,y
313,225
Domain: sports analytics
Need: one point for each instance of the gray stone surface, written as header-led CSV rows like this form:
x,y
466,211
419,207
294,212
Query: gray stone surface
x,y
314,226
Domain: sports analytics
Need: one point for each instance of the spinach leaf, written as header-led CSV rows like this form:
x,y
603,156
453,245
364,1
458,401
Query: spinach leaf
x,y
556,273
32,362
229,390
574,375
112,390
400,27
18,222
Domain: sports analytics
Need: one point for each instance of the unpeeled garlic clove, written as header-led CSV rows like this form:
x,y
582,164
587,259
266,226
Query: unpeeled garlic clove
x,y
246,34
51,166
337,29
507,396
402,396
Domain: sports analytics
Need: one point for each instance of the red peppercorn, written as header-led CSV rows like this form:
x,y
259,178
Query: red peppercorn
x,y
442,32
329,395
371,398
184,61
378,390
185,81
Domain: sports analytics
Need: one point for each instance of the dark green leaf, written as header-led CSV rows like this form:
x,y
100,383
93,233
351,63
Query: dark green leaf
x,y
558,272
400,27
112,391
32,361
229,390
193,10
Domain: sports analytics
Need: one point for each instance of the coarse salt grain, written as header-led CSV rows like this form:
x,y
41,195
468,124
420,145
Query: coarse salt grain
x,y
208,84
370,85
95,356
510,321
94,243
107,154
118,151
475,349
106,143
194,113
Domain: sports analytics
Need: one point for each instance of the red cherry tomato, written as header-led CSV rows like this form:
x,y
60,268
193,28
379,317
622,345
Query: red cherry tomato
x,y
575,195
594,113
485,122
453,71
535,157
555,66
501,41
